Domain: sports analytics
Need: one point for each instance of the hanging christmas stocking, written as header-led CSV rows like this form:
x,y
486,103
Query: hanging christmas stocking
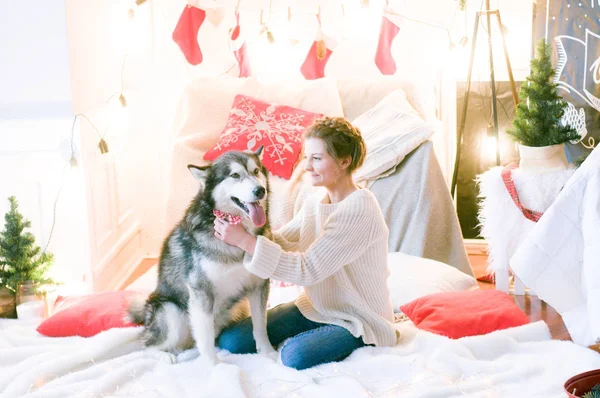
x,y
186,33
317,57
240,51
383,57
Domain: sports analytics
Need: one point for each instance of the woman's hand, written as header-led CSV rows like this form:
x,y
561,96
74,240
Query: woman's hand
x,y
235,235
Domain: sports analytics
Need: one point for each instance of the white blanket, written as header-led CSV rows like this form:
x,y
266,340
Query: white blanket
x,y
519,362
560,258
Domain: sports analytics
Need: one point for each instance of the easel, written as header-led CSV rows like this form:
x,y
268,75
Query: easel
x,y
487,13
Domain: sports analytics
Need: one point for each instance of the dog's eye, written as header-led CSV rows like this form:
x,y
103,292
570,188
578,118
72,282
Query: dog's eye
x,y
256,172
235,175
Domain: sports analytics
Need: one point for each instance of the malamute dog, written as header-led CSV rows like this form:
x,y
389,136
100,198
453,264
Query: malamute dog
x,y
202,283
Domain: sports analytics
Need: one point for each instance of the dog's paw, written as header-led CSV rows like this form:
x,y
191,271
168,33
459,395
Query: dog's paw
x,y
162,356
208,360
188,355
268,352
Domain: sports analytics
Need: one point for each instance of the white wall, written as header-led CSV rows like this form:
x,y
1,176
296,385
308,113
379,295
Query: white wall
x,y
35,133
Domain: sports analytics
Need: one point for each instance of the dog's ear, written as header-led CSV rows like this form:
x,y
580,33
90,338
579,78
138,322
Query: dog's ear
x,y
199,172
259,151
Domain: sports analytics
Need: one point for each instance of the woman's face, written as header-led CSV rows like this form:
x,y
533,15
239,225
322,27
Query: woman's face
x,y
322,167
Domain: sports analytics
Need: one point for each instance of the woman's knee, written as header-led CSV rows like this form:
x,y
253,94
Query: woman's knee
x,y
236,342
293,356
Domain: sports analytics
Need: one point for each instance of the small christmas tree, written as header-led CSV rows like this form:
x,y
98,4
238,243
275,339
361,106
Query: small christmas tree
x,y
538,115
20,258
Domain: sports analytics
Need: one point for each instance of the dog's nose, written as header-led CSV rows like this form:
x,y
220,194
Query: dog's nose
x,y
259,192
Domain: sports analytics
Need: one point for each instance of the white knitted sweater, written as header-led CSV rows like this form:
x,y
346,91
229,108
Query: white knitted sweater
x,y
338,252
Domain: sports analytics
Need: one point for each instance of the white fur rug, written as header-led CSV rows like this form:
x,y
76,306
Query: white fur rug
x,y
519,362
503,225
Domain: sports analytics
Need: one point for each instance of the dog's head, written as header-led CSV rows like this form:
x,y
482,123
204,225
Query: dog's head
x,y
237,184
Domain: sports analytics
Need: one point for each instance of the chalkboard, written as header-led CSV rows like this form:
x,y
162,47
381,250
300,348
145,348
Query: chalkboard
x,y
573,29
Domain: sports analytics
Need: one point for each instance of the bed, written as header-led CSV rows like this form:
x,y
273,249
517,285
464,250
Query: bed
x,y
521,361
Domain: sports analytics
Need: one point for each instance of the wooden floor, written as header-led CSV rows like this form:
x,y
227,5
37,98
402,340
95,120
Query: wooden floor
x,y
535,308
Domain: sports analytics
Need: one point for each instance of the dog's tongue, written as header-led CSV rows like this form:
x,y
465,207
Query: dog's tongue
x,y
257,214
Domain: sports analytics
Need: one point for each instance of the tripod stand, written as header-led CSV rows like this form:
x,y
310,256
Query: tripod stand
x,y
487,13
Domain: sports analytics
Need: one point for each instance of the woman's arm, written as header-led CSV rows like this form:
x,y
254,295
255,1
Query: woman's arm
x,y
344,238
288,236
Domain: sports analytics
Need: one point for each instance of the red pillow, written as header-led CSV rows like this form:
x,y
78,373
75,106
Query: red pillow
x,y
278,128
465,313
87,315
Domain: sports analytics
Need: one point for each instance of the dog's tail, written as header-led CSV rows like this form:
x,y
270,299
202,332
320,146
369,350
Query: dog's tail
x,y
136,309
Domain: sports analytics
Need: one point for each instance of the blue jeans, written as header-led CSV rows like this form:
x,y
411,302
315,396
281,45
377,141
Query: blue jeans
x,y
311,343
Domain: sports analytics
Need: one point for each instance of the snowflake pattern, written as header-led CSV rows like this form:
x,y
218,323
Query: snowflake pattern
x,y
279,129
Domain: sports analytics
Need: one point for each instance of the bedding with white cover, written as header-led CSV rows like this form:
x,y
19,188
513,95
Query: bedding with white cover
x,y
517,362
560,258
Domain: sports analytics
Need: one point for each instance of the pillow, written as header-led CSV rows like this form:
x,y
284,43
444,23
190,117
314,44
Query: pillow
x,y
278,128
412,277
462,314
87,315
391,130
360,95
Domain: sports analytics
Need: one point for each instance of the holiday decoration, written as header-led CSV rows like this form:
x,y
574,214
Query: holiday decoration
x,y
20,258
241,52
538,115
318,55
186,33
383,57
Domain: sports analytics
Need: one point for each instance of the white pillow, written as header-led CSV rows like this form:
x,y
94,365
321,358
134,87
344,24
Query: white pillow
x,y
360,95
391,129
412,277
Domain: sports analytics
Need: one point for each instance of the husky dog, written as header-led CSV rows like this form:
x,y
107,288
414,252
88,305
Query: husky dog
x,y
202,283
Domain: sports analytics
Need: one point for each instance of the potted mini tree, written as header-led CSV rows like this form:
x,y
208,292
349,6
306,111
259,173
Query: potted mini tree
x,y
537,127
22,266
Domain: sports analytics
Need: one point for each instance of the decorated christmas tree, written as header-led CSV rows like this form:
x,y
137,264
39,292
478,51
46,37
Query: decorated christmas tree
x,y
20,258
538,116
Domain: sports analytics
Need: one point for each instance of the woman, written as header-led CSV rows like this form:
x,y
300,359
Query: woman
x,y
336,247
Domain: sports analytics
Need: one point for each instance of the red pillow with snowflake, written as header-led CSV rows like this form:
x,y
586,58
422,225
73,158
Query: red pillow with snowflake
x,y
278,128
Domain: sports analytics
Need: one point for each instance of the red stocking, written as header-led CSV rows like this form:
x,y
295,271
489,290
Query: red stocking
x,y
383,57
316,60
241,54
186,33
318,55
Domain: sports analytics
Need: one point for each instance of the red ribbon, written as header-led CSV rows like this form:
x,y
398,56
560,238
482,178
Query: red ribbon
x,y
512,190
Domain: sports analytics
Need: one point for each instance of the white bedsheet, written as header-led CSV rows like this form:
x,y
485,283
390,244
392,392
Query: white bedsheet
x,y
519,362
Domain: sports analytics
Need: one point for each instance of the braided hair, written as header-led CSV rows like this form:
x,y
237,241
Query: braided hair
x,y
342,139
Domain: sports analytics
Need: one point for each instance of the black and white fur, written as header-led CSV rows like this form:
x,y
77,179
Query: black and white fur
x,y
202,283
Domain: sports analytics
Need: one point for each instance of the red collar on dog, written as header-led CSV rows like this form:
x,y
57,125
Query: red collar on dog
x,y
233,220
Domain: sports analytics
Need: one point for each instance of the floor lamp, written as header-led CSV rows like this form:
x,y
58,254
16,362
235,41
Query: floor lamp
x,y
488,14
